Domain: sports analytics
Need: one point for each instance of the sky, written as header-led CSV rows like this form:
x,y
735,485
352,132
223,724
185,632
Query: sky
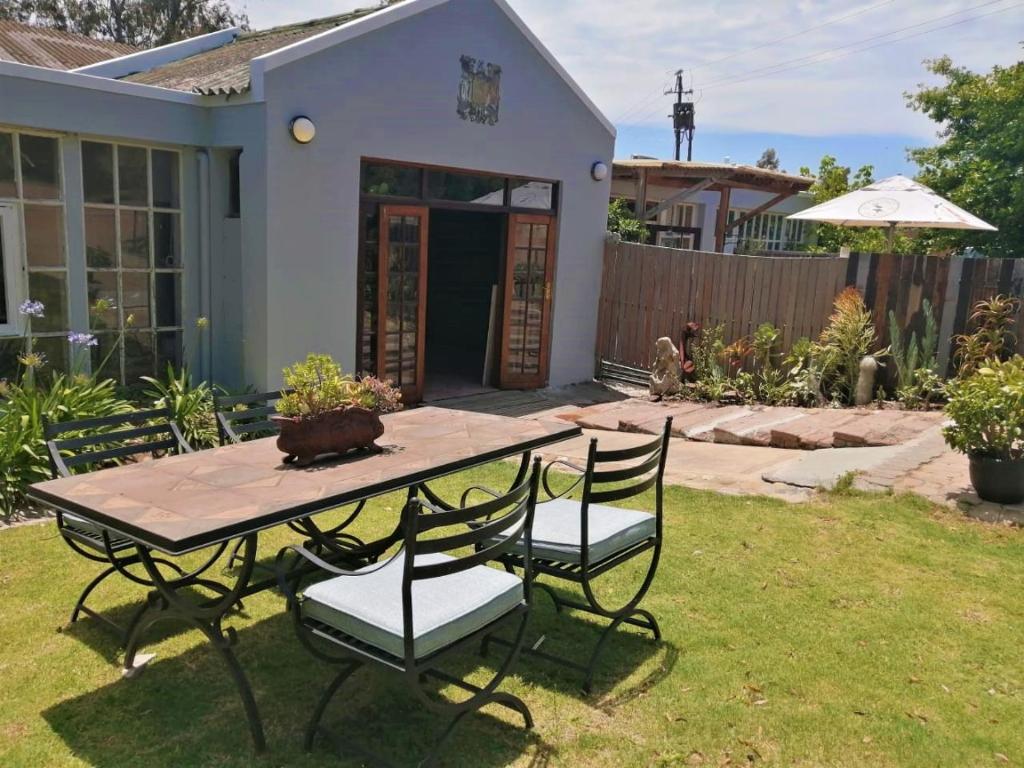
x,y
806,77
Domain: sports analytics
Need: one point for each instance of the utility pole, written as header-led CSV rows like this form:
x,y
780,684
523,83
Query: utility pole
x,y
683,116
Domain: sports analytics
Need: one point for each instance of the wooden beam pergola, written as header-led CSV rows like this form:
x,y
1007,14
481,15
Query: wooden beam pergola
x,y
680,197
759,210
722,218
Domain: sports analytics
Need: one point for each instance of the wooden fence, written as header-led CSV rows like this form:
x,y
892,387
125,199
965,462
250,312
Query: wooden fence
x,y
648,292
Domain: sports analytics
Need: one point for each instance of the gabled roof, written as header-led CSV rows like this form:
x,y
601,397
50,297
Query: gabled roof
x,y
225,70
53,49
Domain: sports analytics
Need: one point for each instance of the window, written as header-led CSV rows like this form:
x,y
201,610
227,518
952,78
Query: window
x,y
532,194
466,188
234,210
31,179
767,232
680,215
670,239
133,257
391,180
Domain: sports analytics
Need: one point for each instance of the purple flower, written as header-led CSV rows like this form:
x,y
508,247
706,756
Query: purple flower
x,y
31,308
83,339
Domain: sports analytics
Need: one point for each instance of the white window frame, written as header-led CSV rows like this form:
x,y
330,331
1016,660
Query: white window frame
x,y
13,267
686,239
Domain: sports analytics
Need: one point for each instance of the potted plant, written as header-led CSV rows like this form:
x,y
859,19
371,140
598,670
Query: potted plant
x,y
325,412
987,413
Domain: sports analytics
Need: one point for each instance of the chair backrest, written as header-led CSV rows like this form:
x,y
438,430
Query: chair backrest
x,y
489,530
602,485
99,440
244,417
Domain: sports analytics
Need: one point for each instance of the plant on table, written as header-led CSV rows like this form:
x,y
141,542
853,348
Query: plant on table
x,y
987,414
328,412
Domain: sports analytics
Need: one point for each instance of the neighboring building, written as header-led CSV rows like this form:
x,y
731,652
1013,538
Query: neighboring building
x,y
682,203
452,155
51,48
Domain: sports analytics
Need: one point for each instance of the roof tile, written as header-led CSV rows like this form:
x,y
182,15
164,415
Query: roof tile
x,y
51,48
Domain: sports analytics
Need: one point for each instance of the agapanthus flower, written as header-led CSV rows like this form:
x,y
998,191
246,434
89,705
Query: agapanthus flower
x,y
31,308
202,322
104,305
83,339
32,359
129,321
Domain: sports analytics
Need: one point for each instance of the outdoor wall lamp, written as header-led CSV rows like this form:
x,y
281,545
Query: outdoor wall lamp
x,y
599,171
303,130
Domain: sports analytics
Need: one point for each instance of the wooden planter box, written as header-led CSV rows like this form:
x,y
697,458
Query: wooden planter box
x,y
303,441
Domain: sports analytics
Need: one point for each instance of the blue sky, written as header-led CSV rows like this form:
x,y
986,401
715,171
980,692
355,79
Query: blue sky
x,y
807,77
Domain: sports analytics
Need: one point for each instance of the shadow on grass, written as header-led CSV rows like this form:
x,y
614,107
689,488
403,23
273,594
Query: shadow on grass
x,y
185,710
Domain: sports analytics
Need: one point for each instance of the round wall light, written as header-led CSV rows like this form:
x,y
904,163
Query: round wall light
x,y
599,171
303,130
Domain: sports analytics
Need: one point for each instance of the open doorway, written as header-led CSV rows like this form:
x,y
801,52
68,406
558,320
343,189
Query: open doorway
x,y
464,267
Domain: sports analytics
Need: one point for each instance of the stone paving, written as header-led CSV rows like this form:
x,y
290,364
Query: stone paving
x,y
778,427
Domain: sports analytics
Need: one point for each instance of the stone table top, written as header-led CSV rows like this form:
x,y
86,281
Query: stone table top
x,y
181,503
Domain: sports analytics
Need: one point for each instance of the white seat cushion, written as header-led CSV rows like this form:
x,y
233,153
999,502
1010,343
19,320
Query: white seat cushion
x,y
445,609
557,533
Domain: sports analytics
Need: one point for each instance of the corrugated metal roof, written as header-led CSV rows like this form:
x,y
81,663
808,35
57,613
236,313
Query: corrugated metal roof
x,y
51,48
225,70
696,169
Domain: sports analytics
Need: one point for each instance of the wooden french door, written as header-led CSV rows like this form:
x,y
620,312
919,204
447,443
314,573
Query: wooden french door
x,y
402,297
529,272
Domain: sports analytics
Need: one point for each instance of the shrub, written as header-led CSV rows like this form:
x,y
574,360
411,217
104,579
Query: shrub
x,y
848,338
987,410
25,407
319,386
993,320
191,406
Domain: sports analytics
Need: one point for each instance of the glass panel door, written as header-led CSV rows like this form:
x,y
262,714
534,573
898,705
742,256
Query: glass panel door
x,y
529,272
10,272
402,298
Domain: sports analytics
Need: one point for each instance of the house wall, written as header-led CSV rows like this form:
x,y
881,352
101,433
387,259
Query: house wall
x,y
392,94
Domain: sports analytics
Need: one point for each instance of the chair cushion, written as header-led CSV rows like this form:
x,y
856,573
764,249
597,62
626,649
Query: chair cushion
x,y
557,533
445,609
91,534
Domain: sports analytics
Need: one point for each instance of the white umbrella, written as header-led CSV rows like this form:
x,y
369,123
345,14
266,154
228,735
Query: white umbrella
x,y
893,202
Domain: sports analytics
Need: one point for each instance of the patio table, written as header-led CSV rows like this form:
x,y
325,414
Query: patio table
x,y
182,504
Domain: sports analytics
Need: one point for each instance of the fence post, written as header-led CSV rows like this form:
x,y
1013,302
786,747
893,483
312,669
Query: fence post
x,y
949,312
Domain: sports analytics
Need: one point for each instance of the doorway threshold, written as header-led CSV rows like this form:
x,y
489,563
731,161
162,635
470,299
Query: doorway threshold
x,y
440,387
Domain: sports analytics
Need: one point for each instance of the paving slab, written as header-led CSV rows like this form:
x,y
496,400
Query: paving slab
x,y
824,468
815,431
885,428
756,429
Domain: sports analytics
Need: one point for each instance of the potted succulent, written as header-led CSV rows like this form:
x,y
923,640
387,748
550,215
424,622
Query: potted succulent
x,y
325,412
986,410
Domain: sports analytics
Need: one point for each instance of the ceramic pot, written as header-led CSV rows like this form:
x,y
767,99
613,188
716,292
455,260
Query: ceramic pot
x,y
998,480
336,432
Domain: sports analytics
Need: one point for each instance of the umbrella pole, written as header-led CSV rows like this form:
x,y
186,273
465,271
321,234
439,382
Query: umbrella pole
x,y
890,239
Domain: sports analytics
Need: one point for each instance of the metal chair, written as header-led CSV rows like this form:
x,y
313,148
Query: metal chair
x,y
243,417
411,612
92,444
578,541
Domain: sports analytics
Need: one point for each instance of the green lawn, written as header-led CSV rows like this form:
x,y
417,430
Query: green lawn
x,y
854,631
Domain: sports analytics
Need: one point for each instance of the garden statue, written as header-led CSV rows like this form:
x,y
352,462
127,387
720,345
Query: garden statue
x,y
665,378
866,381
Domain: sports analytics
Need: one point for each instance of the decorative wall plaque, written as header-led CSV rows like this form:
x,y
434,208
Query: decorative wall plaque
x,y
479,91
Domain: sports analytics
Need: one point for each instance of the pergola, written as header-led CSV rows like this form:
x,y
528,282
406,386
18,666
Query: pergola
x,y
691,178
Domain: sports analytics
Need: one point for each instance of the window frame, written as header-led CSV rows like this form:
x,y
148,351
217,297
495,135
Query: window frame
x,y
153,329
12,266
23,270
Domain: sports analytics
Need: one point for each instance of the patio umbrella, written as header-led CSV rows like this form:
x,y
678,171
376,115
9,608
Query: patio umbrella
x,y
893,202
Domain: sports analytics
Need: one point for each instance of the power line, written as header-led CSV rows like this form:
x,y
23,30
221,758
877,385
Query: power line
x,y
811,58
644,102
793,35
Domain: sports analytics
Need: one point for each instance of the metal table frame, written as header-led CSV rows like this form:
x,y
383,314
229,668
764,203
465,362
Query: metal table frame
x,y
170,599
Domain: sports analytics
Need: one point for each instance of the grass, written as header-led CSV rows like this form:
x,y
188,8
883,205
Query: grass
x,y
857,630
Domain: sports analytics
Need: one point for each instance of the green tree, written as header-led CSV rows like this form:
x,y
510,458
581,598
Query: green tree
x,y
769,160
978,163
144,23
831,181
624,223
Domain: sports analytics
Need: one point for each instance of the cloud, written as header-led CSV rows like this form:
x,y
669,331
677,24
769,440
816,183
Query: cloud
x,y
825,81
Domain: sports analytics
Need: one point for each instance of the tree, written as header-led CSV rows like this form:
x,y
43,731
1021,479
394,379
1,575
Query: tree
x,y
624,223
833,180
143,23
978,164
769,160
